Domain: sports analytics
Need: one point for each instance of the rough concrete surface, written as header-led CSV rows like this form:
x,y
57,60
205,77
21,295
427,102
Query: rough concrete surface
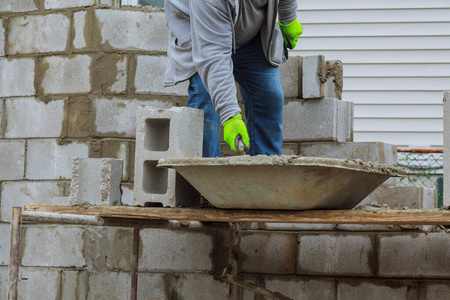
x,y
2,38
79,24
290,77
314,71
398,197
4,244
12,160
447,148
301,288
16,77
376,290
18,6
109,285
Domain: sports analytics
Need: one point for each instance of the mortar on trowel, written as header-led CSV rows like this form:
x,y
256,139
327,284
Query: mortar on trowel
x,y
282,182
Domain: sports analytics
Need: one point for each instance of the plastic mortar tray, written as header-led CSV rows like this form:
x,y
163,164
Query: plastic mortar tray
x,y
282,182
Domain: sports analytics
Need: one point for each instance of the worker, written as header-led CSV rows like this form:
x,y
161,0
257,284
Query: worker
x,y
213,43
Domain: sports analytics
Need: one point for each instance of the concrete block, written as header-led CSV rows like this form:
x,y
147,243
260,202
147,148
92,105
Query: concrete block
x,y
2,37
17,6
12,160
131,30
109,248
376,290
119,84
110,73
154,286
334,79
3,281
318,121
163,249
153,82
200,286
337,254
116,117
74,284
120,150
21,193
272,253
4,244
417,255
295,227
127,194
175,132
447,148
314,72
16,77
41,284
66,74
96,180
413,197
56,4
435,290
22,37
48,159
290,77
53,246
109,285
30,117
80,41
374,152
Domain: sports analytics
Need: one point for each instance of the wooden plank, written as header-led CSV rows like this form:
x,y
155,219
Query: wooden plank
x,y
14,264
370,216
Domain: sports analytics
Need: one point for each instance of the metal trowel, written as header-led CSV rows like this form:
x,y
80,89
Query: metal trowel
x,y
240,145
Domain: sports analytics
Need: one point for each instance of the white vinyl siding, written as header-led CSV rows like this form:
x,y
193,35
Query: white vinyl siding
x,y
396,56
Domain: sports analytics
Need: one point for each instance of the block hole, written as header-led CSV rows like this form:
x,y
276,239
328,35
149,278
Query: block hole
x,y
186,194
154,179
157,134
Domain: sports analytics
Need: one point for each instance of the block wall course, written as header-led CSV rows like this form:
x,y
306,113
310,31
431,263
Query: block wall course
x,y
2,37
47,159
447,148
32,118
120,150
434,290
163,249
66,74
116,117
268,253
17,77
375,290
21,193
337,254
153,82
109,285
53,34
17,6
414,255
131,30
12,160
53,246
4,244
289,75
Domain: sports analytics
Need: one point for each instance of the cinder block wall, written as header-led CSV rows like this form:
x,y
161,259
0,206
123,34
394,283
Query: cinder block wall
x,y
72,74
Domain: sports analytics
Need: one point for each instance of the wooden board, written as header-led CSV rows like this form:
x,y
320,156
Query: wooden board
x,y
375,216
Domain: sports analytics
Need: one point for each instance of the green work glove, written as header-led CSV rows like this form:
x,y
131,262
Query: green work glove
x,y
232,128
291,32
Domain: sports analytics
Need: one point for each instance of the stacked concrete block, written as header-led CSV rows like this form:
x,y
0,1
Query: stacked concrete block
x,y
446,149
320,78
18,6
318,120
120,150
12,160
96,180
289,76
398,197
109,285
175,132
17,77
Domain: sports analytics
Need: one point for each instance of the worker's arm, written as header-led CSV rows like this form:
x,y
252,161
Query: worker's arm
x,y
289,25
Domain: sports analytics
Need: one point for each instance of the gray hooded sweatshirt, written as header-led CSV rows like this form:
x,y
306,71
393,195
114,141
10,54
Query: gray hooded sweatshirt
x,y
204,33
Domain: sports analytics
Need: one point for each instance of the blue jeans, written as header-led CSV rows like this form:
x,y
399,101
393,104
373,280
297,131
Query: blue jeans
x,y
260,87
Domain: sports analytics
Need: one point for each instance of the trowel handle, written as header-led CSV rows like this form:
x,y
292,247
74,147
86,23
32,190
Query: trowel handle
x,y
241,147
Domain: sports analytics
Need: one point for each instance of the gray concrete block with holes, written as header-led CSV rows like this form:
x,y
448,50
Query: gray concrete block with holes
x,y
174,132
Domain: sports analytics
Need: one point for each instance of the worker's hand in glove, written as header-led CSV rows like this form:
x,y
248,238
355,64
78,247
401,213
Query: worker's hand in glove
x,y
232,128
291,32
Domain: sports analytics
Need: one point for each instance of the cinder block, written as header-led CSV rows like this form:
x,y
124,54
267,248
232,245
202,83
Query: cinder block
x,y
4,244
3,280
318,121
41,283
200,286
131,30
314,71
110,73
66,74
127,194
154,285
74,284
96,180
414,197
376,290
116,117
119,83
272,253
109,285
120,150
12,160
374,152
17,6
2,38
295,227
53,246
30,117
175,132
109,248
48,159
417,255
22,37
290,77
80,19
335,79
56,4
177,250
337,254
21,193
16,77
447,148
436,290
153,82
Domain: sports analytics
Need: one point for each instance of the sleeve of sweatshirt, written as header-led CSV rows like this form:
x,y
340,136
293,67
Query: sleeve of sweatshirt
x,y
212,44
287,11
